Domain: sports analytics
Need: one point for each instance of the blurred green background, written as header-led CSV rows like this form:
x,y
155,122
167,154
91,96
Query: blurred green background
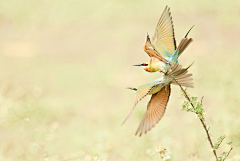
x,y
64,67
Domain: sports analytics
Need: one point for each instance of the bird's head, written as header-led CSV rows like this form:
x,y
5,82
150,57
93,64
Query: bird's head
x,y
145,65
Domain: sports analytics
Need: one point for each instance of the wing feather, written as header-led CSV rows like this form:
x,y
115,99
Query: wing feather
x,y
147,47
138,97
155,110
163,40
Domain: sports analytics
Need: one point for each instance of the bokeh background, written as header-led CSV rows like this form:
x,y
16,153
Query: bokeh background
x,y
64,67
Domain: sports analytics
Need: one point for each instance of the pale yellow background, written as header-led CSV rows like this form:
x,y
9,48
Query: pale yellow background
x,y
64,67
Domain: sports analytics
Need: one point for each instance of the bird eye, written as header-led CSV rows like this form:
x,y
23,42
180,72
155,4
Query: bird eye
x,y
135,89
143,64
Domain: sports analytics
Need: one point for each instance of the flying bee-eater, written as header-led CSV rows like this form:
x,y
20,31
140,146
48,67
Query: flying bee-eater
x,y
160,91
163,50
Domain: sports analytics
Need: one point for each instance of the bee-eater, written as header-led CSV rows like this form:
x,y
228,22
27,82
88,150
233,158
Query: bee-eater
x,y
163,50
160,91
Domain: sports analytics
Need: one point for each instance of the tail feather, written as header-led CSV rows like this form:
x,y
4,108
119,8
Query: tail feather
x,y
177,70
185,42
188,31
185,80
182,76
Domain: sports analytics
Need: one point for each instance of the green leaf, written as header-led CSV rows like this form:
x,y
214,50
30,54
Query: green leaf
x,y
192,99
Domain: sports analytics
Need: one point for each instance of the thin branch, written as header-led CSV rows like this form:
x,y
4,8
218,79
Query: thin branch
x,y
201,119
229,152
220,142
202,100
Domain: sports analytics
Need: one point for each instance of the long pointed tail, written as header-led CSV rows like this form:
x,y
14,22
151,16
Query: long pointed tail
x,y
188,31
185,42
182,76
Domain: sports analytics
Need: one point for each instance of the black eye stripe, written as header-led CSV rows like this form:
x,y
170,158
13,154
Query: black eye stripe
x,y
143,64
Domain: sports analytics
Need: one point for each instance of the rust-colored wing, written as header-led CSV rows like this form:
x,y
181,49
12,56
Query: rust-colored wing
x,y
155,110
163,40
142,92
147,47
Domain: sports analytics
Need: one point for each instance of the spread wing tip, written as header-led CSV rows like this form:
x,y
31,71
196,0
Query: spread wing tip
x,y
147,39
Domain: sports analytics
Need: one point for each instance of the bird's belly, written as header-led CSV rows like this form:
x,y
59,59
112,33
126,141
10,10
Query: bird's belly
x,y
155,89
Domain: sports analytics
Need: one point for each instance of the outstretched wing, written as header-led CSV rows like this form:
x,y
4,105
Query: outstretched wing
x,y
142,92
163,40
147,47
155,110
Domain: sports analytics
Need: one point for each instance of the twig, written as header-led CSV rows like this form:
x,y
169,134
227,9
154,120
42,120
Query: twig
x,y
208,129
201,119
220,142
229,152
202,100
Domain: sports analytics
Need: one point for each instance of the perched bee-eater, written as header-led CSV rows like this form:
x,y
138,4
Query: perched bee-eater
x,y
163,50
160,91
